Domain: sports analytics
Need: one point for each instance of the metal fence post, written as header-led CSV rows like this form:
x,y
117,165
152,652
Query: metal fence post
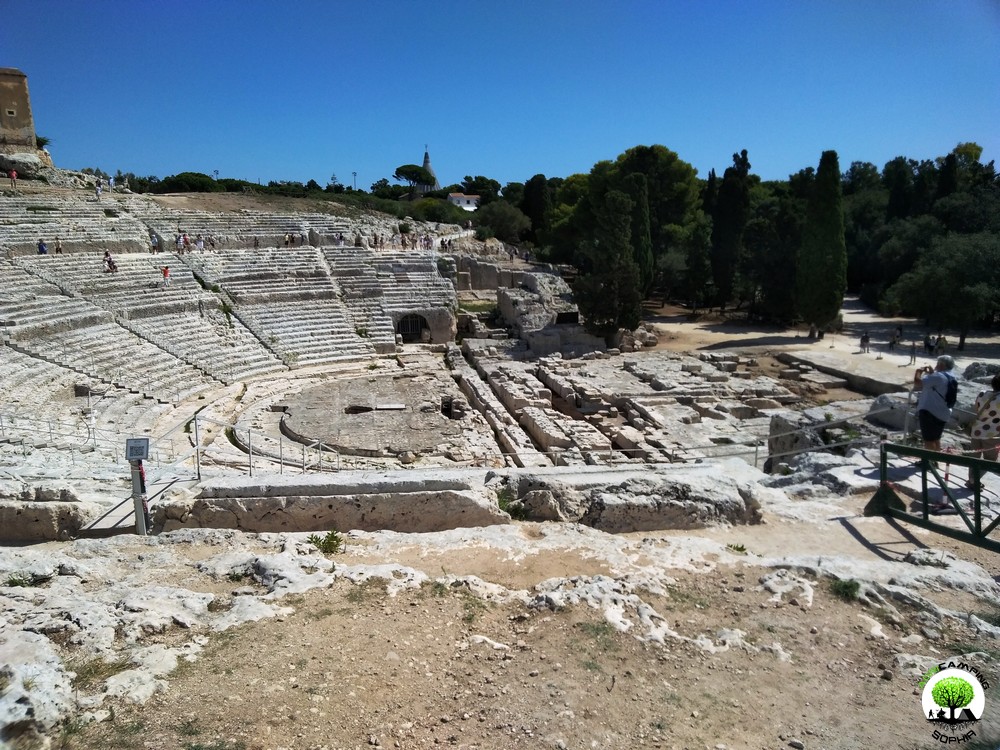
x,y
197,449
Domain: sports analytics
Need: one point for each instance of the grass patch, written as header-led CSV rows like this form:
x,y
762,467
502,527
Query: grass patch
x,y
690,598
846,589
477,306
320,614
93,672
507,502
19,580
438,588
739,549
189,728
370,588
472,607
602,633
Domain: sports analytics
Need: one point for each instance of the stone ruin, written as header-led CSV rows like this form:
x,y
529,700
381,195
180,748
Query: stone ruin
x,y
331,357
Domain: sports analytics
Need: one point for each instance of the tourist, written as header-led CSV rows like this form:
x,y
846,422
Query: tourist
x,y
199,243
187,243
154,244
111,184
940,345
165,270
256,243
58,245
865,342
928,344
288,238
42,248
932,406
913,353
109,263
180,245
97,189
12,174
211,242
985,431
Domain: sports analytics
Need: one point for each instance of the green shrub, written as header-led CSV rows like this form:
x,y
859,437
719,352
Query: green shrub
x,y
846,589
16,580
332,543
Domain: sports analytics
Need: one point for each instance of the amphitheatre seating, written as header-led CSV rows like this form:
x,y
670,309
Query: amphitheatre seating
x,y
214,341
80,224
268,274
307,332
113,355
362,292
135,290
30,306
240,229
410,280
34,386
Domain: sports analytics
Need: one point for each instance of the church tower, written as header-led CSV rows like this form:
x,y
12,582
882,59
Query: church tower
x,y
427,165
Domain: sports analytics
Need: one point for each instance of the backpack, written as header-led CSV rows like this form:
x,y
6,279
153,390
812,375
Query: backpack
x,y
951,395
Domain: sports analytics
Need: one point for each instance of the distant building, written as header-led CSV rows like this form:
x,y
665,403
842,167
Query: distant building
x,y
17,127
463,201
427,165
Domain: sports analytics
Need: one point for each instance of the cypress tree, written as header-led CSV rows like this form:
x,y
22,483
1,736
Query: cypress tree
x,y
821,270
608,296
637,188
732,211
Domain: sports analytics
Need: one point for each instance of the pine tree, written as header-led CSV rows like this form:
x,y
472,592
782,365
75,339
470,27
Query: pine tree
x,y
821,270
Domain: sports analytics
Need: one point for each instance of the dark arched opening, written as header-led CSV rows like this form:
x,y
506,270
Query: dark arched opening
x,y
410,327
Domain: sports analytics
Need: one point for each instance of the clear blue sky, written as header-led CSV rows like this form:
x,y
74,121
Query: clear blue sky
x,y
302,89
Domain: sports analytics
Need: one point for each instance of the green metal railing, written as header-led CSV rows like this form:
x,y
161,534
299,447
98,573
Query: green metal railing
x,y
888,502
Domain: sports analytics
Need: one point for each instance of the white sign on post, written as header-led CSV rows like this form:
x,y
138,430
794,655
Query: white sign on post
x,y
136,449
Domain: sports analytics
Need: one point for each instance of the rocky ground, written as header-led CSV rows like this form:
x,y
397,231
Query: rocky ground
x,y
522,635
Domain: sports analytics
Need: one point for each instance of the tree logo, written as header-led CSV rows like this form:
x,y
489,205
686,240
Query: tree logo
x,y
953,700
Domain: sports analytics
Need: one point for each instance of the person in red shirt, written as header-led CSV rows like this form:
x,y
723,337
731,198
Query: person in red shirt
x,y
166,276
13,179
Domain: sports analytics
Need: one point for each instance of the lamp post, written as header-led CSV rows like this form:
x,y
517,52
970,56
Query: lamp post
x,y
355,176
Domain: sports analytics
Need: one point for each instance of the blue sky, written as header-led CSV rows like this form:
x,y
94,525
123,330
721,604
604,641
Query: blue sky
x,y
303,89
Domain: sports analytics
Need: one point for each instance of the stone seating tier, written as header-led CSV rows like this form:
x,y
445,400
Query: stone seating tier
x,y
80,224
224,348
317,331
280,289
225,265
33,387
112,354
